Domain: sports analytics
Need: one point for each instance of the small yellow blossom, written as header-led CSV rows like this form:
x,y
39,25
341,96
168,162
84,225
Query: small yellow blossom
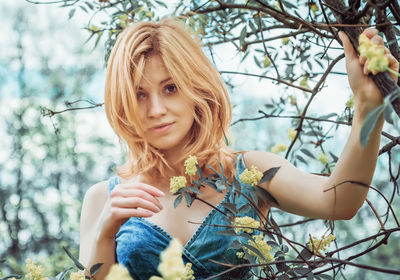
x,y
323,158
35,271
79,275
278,148
190,165
350,102
171,266
118,272
176,183
261,245
291,133
285,40
267,61
304,82
240,255
251,177
316,245
245,224
375,55
149,14
293,100
314,8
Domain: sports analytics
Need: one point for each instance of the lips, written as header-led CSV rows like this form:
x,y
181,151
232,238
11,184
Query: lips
x,y
161,127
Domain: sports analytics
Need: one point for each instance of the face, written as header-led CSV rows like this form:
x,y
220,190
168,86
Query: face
x,y
166,115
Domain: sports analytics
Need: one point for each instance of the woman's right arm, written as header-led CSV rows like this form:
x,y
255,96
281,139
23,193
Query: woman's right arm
x,y
103,215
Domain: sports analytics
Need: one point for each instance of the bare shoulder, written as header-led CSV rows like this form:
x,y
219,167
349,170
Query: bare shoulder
x,y
93,203
97,193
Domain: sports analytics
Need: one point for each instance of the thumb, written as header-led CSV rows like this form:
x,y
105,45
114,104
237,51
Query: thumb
x,y
349,50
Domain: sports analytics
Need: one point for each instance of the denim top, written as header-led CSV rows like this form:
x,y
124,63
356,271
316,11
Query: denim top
x,y
139,242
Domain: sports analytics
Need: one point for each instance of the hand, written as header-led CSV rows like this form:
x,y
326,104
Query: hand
x,y
128,200
366,94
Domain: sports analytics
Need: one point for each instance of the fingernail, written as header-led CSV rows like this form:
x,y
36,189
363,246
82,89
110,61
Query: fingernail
x,y
149,213
161,193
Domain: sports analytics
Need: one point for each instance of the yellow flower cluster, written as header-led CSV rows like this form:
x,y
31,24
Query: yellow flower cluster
x,y
304,82
375,55
291,133
278,148
190,165
323,158
316,245
261,245
171,266
251,177
285,40
35,271
246,224
176,183
350,102
79,275
118,272
267,61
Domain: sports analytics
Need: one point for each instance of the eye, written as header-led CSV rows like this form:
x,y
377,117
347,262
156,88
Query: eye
x,y
170,89
140,95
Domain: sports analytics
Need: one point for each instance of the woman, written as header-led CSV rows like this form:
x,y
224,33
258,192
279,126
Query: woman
x,y
166,101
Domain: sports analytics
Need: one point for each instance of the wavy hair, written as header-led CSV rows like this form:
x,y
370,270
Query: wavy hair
x,y
195,77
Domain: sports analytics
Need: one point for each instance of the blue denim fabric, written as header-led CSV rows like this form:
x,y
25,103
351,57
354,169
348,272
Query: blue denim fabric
x,y
139,242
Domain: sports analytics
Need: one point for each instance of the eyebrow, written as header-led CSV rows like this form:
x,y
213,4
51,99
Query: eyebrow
x,y
162,82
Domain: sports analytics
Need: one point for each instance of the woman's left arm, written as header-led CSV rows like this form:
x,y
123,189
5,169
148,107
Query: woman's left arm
x,y
316,196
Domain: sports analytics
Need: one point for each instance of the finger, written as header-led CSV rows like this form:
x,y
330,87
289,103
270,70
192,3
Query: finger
x,y
349,51
134,202
148,188
366,71
125,213
137,193
362,59
377,40
370,32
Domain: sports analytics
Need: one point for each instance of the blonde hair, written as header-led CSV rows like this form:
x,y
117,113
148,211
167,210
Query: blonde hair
x,y
195,77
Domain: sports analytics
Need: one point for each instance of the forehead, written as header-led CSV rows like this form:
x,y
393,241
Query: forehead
x,y
154,71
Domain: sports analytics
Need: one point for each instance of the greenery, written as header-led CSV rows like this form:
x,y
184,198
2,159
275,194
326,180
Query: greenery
x,y
292,45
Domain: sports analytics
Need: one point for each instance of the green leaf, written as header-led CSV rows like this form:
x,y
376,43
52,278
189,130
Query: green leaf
x,y
236,245
307,153
236,184
245,208
195,190
177,201
283,277
189,199
266,195
301,271
335,158
243,34
305,254
95,268
71,13
76,262
230,206
267,175
325,276
369,124
61,275
255,250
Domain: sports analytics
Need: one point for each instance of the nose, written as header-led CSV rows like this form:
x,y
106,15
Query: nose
x,y
156,107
